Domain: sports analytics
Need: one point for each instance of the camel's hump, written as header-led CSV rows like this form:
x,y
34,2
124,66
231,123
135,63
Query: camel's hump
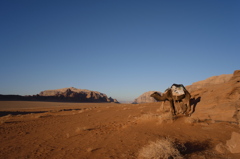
x,y
177,90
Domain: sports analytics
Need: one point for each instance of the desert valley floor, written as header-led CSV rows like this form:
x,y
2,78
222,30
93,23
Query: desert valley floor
x,y
103,131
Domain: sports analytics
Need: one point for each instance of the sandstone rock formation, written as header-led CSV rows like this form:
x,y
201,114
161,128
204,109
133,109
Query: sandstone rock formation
x,y
219,100
79,95
145,98
234,143
215,99
63,95
209,81
112,100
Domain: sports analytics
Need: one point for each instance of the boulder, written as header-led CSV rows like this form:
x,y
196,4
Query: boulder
x,y
221,148
233,145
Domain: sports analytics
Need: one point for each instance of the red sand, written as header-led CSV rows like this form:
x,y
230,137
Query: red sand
x,y
101,130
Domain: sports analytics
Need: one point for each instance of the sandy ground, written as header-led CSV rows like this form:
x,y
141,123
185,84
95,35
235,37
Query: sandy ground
x,y
102,131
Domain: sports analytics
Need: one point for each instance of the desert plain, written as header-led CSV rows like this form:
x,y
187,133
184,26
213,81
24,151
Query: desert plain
x,y
37,129
102,130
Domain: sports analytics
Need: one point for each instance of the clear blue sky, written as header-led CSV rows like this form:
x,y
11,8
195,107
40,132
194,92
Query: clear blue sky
x,y
122,48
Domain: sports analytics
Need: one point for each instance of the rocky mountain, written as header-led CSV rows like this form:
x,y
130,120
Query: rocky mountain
x,y
70,94
145,98
209,81
78,95
217,101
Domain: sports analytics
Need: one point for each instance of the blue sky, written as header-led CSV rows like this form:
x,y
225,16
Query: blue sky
x,y
122,48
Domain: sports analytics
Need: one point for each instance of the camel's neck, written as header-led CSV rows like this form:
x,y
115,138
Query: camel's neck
x,y
160,98
167,95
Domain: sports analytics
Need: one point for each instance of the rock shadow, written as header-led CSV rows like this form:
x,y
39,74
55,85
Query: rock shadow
x,y
194,102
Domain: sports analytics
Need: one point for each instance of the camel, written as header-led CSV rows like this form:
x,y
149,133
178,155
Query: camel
x,y
174,95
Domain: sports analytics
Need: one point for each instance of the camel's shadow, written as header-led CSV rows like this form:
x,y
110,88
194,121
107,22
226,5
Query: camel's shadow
x,y
193,103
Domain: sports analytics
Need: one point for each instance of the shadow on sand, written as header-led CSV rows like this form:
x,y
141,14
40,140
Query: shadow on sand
x,y
194,102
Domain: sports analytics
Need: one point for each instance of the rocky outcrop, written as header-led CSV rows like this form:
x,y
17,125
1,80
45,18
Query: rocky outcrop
x,y
78,95
112,100
232,145
64,95
210,81
145,98
215,99
219,100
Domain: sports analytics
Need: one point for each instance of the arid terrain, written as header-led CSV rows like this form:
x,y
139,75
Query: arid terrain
x,y
73,130
31,129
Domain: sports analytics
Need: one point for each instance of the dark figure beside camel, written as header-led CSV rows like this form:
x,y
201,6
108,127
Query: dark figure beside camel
x,y
177,93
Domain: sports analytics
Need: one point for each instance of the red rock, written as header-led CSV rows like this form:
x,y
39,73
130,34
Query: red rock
x,y
233,144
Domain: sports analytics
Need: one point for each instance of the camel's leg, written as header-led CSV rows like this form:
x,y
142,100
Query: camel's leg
x,y
180,107
189,108
176,104
172,107
163,105
188,111
183,107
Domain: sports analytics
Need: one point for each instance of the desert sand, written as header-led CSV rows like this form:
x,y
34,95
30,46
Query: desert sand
x,y
104,131
31,129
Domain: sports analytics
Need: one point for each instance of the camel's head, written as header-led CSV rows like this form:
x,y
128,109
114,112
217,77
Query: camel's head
x,y
155,94
168,89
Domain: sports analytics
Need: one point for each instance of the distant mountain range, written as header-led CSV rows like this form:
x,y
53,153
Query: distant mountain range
x,y
70,94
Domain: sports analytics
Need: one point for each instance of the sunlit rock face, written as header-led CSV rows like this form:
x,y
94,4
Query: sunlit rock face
x,y
145,98
74,94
